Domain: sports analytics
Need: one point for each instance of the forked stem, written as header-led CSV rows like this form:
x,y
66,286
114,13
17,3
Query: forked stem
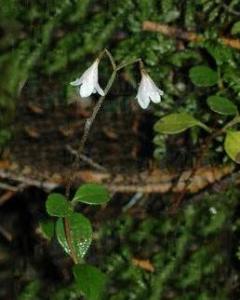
x,y
88,125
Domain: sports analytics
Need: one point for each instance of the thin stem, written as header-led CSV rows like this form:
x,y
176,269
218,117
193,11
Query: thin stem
x,y
234,121
123,65
205,127
86,132
201,156
89,122
87,128
111,59
67,230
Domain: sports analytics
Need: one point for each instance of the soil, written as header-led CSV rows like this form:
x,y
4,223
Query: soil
x,y
118,141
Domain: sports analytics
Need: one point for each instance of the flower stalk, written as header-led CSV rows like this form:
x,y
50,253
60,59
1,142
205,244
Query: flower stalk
x,y
88,83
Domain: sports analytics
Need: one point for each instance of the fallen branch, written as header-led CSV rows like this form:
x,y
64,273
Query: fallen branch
x,y
156,181
6,196
6,234
159,181
26,182
190,36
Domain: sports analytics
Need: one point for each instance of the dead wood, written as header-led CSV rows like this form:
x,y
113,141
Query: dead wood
x,y
174,32
155,181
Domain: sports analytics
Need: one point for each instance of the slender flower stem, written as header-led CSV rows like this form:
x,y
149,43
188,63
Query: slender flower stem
x,y
87,128
89,122
123,65
88,125
111,59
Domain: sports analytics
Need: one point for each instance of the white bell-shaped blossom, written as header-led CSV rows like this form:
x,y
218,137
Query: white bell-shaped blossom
x,y
148,91
88,82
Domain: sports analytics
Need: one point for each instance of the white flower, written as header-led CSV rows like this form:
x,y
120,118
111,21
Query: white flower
x,y
88,82
148,91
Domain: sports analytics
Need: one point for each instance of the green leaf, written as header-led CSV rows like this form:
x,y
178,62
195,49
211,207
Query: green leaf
x,y
80,230
90,280
222,105
46,229
31,290
221,53
92,193
203,76
176,123
236,28
232,145
58,206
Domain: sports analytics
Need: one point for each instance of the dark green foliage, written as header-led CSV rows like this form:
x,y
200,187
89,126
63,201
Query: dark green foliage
x,y
80,233
57,205
91,193
31,291
90,280
191,251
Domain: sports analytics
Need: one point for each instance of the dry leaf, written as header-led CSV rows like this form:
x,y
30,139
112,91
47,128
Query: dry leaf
x,y
143,264
35,109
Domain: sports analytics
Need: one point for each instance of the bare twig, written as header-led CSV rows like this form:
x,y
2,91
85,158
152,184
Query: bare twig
x,y
196,184
6,234
6,196
8,187
190,36
45,185
86,159
230,10
159,181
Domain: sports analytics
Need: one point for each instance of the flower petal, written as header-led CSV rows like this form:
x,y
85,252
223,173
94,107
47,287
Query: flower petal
x,y
161,93
86,89
155,96
89,81
99,89
143,100
76,82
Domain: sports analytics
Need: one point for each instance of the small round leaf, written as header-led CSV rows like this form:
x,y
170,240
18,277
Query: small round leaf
x,y
90,281
232,145
176,123
46,229
203,76
92,193
222,105
58,206
80,234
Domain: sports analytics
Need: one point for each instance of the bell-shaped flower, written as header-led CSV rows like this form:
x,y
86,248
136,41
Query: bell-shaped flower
x,y
148,91
88,82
